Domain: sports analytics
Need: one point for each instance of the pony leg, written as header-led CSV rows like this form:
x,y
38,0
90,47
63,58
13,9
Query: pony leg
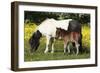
x,y
52,43
52,48
64,48
47,44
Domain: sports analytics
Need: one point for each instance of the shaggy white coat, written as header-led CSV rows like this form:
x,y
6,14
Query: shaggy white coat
x,y
48,26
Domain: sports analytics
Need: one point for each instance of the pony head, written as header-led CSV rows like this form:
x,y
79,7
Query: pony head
x,y
34,41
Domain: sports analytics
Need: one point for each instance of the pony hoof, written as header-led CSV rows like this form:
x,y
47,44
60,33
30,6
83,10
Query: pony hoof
x,y
52,51
76,54
45,52
31,51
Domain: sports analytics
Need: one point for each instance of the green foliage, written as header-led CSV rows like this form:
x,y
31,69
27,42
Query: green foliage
x,y
38,17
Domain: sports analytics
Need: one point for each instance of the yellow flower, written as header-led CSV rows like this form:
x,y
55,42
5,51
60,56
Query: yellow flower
x,y
29,30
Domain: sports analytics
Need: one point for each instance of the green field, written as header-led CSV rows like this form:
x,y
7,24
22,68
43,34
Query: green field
x,y
58,54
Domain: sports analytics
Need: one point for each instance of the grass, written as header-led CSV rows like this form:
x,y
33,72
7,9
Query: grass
x,y
58,54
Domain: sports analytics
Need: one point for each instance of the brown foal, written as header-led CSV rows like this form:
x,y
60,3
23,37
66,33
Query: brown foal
x,y
68,37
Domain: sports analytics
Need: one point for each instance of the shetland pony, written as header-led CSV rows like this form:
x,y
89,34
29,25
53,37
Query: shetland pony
x,y
48,29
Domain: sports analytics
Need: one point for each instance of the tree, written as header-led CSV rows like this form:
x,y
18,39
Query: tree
x,y
38,17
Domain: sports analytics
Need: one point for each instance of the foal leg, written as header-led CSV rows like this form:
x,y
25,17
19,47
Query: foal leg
x,y
47,44
68,48
77,48
65,45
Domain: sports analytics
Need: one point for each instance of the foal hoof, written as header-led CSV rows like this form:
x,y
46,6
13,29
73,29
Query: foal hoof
x,y
65,53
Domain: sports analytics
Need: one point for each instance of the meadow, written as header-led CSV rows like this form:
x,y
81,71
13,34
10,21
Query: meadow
x,y
39,55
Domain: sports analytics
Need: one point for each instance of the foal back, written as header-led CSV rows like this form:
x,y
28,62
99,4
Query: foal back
x,y
66,35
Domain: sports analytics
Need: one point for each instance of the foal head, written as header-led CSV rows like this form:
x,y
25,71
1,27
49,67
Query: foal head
x,y
34,41
58,33
61,33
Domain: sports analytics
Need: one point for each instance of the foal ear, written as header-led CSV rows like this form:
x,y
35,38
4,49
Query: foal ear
x,y
57,28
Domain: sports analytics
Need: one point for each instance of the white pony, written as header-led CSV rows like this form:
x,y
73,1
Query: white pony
x,y
48,28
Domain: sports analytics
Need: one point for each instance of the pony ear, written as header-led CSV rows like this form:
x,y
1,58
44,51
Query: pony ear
x,y
36,33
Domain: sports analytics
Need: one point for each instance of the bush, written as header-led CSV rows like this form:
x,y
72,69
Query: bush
x,y
86,36
29,29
